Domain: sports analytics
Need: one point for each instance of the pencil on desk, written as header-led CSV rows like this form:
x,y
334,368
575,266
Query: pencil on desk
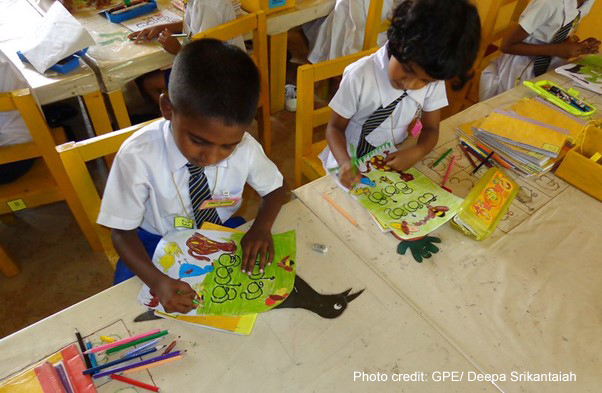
x,y
135,383
482,163
154,364
339,209
122,341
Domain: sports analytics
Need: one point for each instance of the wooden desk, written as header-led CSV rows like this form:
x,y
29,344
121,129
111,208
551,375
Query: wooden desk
x,y
21,19
524,300
289,350
279,24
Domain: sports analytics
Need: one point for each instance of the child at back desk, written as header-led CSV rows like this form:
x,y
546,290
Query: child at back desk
x,y
199,15
540,41
200,151
381,94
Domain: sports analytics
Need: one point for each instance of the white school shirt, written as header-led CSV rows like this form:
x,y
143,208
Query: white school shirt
x,y
364,88
202,15
13,129
541,19
149,176
342,32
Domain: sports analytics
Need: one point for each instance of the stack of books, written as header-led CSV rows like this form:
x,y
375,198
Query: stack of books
x,y
521,144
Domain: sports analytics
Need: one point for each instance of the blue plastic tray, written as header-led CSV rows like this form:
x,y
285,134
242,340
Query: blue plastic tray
x,y
64,66
134,13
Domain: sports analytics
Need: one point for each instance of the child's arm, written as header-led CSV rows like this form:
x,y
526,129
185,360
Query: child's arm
x,y
258,240
153,32
174,295
513,44
335,135
405,159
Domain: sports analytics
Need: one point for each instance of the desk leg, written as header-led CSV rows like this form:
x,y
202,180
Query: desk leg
x,y
119,109
7,265
277,70
98,113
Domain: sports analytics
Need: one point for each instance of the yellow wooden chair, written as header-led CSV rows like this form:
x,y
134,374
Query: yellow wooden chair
x,y
254,23
306,149
82,191
493,30
45,182
374,24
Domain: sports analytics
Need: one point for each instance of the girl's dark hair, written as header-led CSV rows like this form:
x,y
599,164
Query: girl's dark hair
x,y
441,36
215,79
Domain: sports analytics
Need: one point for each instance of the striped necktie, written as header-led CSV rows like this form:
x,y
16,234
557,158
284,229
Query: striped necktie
x,y
541,64
375,120
199,192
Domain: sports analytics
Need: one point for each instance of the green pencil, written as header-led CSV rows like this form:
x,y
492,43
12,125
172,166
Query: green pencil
x,y
136,342
442,157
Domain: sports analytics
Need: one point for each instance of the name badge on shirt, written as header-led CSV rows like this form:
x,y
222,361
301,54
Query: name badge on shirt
x,y
183,222
217,203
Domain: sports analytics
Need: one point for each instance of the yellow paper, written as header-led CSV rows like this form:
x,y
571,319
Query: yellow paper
x,y
539,110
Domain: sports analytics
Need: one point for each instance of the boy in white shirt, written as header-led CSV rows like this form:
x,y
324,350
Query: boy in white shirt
x,y
199,15
540,41
382,94
163,172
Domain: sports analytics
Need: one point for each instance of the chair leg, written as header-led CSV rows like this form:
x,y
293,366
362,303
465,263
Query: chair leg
x,y
7,265
277,71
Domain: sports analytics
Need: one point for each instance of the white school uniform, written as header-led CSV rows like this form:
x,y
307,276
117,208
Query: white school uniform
x,y
12,127
148,183
366,87
541,19
342,32
202,15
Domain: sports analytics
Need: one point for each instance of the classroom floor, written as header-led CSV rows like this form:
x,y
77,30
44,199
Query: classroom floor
x,y
58,268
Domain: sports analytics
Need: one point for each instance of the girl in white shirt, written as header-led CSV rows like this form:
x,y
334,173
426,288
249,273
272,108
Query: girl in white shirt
x,y
540,41
429,41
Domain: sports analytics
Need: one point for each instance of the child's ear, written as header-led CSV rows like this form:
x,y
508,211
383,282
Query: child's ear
x,y
165,105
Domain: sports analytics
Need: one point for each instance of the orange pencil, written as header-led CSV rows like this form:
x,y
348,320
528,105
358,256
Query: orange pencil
x,y
151,365
339,209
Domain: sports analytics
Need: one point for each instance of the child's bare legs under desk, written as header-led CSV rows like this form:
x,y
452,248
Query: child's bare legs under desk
x,y
151,85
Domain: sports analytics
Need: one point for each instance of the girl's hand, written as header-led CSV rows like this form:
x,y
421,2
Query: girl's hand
x,y
175,295
402,160
169,43
349,176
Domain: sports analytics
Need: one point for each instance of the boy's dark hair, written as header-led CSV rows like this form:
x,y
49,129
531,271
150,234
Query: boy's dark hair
x,y
214,79
441,36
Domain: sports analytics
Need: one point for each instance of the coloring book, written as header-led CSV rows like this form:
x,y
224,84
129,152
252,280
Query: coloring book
x,y
209,260
407,203
586,72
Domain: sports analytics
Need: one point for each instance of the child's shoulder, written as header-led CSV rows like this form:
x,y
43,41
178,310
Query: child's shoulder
x,y
148,139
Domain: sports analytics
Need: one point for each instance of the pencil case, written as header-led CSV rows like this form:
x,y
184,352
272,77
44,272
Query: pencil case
x,y
485,205
65,65
119,15
566,99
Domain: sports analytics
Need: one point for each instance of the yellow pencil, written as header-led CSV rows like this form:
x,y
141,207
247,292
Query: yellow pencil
x,y
154,364
339,209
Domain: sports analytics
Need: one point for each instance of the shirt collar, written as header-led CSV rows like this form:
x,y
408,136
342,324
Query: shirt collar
x,y
388,93
174,157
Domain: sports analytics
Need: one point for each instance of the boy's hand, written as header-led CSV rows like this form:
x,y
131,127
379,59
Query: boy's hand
x,y
257,242
169,43
348,176
402,160
147,34
592,44
571,48
175,295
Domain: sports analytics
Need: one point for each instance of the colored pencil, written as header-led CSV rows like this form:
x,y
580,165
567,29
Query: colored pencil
x,y
63,377
135,365
123,341
468,157
82,346
136,342
449,168
143,347
339,209
96,369
442,157
170,347
92,357
133,382
482,163
151,365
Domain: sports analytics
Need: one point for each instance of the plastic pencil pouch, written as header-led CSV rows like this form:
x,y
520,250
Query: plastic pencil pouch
x,y
133,10
64,66
566,99
486,204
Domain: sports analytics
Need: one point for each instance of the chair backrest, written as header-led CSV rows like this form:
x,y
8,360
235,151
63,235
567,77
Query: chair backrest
x,y
374,24
254,23
81,189
308,118
492,31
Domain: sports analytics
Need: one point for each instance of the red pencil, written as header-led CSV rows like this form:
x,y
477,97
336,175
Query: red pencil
x,y
135,383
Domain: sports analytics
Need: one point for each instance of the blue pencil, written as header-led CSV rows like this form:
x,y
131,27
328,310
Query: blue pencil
x,y
92,357
96,369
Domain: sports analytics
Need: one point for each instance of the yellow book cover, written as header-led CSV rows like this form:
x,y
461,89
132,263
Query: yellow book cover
x,y
524,132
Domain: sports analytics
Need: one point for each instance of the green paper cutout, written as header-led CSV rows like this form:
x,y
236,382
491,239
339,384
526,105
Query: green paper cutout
x,y
421,248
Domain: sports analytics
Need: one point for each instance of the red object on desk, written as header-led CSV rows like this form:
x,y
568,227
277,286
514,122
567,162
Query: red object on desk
x,y
135,383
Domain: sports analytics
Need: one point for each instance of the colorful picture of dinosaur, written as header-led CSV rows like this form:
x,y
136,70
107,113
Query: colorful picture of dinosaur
x,y
586,72
406,203
210,261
